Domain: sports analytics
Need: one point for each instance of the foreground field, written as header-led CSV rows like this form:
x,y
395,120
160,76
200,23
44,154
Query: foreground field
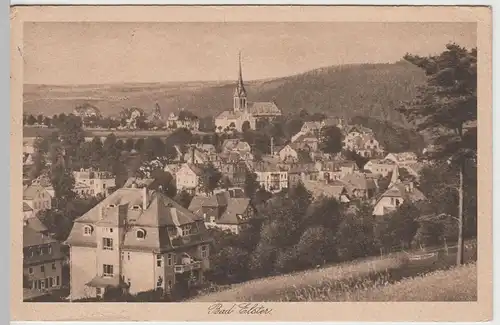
x,y
274,288
349,281
457,284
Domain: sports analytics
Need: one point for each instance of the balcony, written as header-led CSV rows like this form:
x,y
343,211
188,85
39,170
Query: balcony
x,y
182,268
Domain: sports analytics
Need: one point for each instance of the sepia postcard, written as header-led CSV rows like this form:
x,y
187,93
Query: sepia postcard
x,y
251,163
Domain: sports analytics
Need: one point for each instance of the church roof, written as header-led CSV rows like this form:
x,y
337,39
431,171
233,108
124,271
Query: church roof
x,y
230,115
263,109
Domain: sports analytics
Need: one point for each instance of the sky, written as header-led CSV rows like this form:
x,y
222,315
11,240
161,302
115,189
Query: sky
x,y
99,53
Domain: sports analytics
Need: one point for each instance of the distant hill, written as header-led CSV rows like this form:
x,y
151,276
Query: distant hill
x,y
344,91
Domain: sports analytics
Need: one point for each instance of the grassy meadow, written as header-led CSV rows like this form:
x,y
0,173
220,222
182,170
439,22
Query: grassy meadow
x,y
355,280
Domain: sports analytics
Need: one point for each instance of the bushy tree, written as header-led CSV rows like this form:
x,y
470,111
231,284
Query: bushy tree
x,y
183,198
251,184
63,182
331,139
210,178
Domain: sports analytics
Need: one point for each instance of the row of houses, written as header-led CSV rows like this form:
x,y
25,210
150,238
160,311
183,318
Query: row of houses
x,y
38,195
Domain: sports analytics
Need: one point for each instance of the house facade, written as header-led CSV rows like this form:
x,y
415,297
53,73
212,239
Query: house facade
x,y
288,153
271,177
42,261
175,122
137,240
100,182
37,198
235,172
395,196
188,178
382,167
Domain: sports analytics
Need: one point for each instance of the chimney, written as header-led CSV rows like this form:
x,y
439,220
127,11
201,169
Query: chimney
x,y
144,198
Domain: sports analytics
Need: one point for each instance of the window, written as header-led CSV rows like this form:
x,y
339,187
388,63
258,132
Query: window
x,y
42,284
30,270
57,280
159,282
186,230
128,256
107,270
110,229
204,251
158,260
169,259
53,266
141,234
121,255
87,230
107,243
42,268
51,282
103,186
50,249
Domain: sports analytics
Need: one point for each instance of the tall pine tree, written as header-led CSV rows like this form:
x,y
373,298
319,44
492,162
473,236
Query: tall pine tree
x,y
446,107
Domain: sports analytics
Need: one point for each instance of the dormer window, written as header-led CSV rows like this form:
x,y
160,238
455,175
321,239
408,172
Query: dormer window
x,y
87,230
136,207
111,206
140,234
186,230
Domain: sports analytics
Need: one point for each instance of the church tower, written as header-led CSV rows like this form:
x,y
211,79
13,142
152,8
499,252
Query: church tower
x,y
240,94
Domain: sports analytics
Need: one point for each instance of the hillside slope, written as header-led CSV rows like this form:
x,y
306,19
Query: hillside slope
x,y
345,91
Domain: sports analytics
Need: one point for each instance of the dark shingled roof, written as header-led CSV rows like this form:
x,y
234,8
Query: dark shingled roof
x,y
125,206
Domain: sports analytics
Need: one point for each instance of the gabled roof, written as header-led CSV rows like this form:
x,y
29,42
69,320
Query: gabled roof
x,y
359,181
138,182
306,137
303,168
268,167
228,207
230,115
404,156
36,224
125,206
399,190
235,208
32,191
33,238
26,207
263,109
314,125
235,145
334,189
195,169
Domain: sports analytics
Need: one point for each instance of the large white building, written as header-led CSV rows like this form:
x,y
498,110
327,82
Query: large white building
x,y
138,240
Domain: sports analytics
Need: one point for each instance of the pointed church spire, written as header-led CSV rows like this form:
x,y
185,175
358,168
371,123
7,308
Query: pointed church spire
x,y
240,75
240,94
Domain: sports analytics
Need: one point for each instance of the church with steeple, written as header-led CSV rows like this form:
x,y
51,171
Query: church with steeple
x,y
244,113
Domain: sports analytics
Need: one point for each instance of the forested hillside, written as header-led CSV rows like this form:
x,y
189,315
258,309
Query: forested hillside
x,y
346,91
